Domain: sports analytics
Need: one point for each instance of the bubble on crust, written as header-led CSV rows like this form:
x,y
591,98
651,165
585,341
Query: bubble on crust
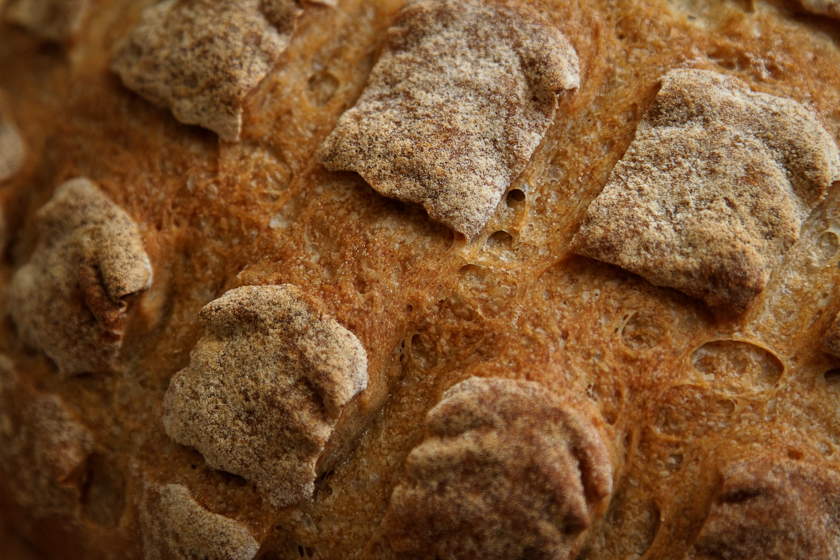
x,y
265,387
12,148
829,8
176,527
735,366
55,20
45,448
455,107
774,509
507,470
69,299
713,190
201,58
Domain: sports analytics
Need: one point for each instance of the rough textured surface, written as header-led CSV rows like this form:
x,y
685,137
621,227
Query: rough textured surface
x,y
55,20
455,107
12,148
70,299
822,7
178,528
507,470
265,387
680,390
200,58
713,190
45,447
831,340
774,510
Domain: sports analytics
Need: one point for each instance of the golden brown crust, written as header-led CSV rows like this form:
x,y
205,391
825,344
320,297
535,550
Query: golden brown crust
x,y
455,107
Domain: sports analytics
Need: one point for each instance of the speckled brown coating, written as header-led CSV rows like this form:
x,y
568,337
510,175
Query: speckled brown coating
x,y
69,301
684,392
455,107
507,470
54,20
713,190
265,388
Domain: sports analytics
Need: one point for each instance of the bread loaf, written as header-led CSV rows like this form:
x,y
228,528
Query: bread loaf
x,y
455,279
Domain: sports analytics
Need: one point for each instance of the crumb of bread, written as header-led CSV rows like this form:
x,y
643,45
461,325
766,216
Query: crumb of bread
x,y
713,190
455,107
773,509
265,388
507,470
69,299
176,526
200,58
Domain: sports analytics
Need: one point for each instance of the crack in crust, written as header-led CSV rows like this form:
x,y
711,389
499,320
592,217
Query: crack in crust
x,y
774,510
69,300
55,20
713,190
507,470
455,107
176,527
200,58
265,388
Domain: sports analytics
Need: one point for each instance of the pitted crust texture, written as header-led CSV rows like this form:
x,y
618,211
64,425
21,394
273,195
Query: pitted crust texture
x,y
45,447
774,510
56,20
265,388
200,58
12,148
69,300
455,107
713,190
507,470
176,527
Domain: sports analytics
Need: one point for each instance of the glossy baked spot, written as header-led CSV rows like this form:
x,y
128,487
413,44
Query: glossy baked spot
x,y
12,148
200,58
265,388
773,510
507,470
69,300
713,190
455,107
175,526
56,20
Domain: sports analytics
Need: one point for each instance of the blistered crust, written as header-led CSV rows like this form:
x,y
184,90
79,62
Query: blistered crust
x,y
56,20
774,510
12,148
507,470
265,388
45,448
200,58
176,527
69,300
713,190
455,107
